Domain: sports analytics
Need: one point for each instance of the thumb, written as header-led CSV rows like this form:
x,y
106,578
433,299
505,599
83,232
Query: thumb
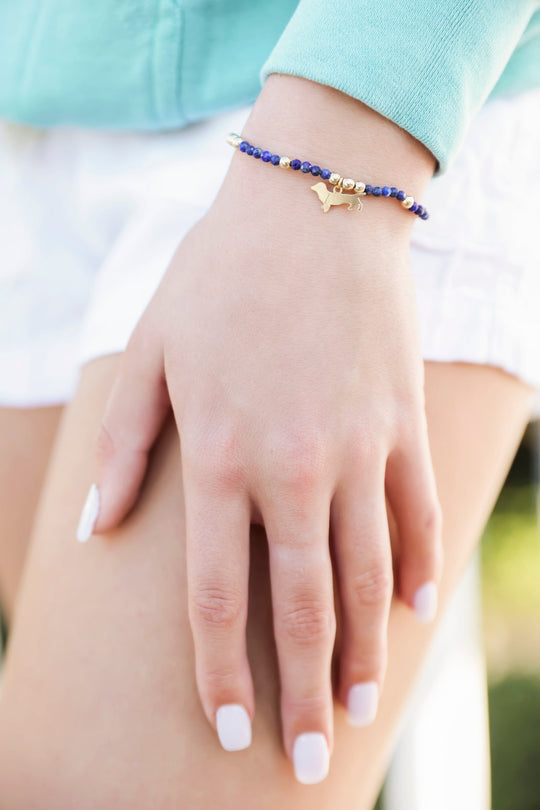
x,y
134,414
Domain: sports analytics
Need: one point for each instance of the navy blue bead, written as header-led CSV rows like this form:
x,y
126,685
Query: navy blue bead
x,y
266,155
315,171
385,191
376,191
306,166
401,195
295,164
243,146
274,160
413,208
249,150
325,174
420,210
257,152
368,189
393,191
425,215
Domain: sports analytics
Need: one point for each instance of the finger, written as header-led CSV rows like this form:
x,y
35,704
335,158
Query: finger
x,y
304,625
361,545
412,493
134,414
217,549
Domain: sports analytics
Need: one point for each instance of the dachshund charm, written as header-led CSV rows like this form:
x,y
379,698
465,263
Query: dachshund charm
x,y
329,198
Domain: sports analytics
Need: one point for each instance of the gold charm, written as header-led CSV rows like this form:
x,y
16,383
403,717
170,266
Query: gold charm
x,y
335,196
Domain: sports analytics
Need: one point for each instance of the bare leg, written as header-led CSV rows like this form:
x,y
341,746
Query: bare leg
x,y
26,438
99,707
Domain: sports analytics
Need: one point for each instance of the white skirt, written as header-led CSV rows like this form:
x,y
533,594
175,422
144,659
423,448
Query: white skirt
x,y
90,220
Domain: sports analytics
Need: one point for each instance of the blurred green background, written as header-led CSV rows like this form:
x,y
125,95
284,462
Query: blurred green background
x,y
511,606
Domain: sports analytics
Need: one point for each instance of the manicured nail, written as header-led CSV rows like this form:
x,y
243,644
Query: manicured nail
x,y
311,758
233,727
425,602
362,702
88,515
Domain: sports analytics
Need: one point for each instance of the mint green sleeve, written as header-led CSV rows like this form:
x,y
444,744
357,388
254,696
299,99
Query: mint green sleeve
x,y
428,65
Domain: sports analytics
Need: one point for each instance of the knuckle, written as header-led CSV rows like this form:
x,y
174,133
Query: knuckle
x,y
431,520
300,460
219,680
214,454
409,417
312,704
216,607
372,586
366,661
307,623
103,445
364,441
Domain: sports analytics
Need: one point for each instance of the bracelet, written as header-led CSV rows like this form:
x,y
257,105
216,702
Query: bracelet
x,y
345,189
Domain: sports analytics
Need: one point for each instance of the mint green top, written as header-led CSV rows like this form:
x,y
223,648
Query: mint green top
x,y
428,65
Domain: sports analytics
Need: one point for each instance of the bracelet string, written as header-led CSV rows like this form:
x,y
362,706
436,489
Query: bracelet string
x,y
344,190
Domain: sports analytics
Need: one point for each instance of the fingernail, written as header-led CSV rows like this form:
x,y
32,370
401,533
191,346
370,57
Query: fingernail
x,y
233,727
311,758
425,602
88,515
362,702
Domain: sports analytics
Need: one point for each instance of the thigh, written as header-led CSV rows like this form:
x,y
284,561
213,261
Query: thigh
x,y
99,698
26,438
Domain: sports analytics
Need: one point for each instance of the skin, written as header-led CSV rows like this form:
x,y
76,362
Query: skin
x,y
26,439
99,697
340,452
330,310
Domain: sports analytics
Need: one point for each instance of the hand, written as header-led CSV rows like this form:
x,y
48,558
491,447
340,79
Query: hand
x,y
286,341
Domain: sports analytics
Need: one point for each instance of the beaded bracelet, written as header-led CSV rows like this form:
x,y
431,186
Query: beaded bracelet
x,y
338,195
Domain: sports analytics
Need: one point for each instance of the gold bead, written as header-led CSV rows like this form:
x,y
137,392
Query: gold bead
x,y
285,162
233,139
359,187
348,183
407,202
334,179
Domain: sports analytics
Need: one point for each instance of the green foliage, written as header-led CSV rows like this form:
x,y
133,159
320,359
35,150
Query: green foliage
x,y
514,710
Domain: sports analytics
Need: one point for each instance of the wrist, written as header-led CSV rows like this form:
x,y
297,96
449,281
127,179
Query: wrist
x,y
303,119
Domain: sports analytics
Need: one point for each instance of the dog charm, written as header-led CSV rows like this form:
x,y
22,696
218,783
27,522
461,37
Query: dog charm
x,y
330,197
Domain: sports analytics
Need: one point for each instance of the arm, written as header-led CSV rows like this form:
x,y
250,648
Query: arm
x,y
427,65
287,342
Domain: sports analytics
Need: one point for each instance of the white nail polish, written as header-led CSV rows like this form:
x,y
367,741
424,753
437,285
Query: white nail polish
x,y
88,515
311,758
362,702
425,602
233,727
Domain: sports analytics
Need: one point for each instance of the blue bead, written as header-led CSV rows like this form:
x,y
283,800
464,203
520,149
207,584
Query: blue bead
x,y
306,166
325,174
295,164
413,208
425,215
257,152
266,155
401,195
274,160
420,210
376,191
393,191
243,146
315,171
249,150
385,191
368,189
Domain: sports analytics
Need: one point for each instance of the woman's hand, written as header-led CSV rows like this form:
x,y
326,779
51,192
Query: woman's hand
x,y
286,341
